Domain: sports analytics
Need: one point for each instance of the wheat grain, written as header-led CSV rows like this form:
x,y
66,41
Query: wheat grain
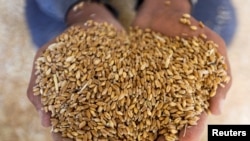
x,y
99,85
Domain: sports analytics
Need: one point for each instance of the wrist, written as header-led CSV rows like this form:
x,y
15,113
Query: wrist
x,y
180,6
78,12
184,6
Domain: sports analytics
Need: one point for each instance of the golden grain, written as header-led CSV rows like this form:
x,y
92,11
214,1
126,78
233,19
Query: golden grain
x,y
137,85
193,27
186,15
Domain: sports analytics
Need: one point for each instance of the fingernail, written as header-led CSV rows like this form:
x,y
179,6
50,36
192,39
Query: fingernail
x,y
221,105
44,119
40,116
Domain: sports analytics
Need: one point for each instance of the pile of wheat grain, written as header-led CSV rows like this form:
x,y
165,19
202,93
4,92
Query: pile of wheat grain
x,y
101,85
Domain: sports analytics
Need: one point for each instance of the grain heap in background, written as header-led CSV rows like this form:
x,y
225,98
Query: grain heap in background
x,y
101,85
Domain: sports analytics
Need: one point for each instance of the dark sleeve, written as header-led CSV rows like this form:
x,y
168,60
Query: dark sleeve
x,y
55,8
193,2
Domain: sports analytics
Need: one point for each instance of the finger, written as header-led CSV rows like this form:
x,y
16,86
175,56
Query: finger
x,y
45,118
58,137
217,102
36,100
194,133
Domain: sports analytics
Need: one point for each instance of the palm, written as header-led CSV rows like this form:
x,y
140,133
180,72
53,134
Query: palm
x,y
158,18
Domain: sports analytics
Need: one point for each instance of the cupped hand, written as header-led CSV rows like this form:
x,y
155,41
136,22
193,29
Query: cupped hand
x,y
165,18
88,11
159,17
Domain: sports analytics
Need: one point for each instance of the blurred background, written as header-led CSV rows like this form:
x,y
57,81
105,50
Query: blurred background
x,y
20,122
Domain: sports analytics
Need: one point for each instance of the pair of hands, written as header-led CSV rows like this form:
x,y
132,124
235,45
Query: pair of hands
x,y
160,18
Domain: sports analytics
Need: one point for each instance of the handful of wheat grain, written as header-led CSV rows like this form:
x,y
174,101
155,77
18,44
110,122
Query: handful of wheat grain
x,y
99,85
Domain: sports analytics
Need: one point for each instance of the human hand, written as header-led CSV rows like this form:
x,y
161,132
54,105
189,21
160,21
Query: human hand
x,y
165,18
88,11
150,16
